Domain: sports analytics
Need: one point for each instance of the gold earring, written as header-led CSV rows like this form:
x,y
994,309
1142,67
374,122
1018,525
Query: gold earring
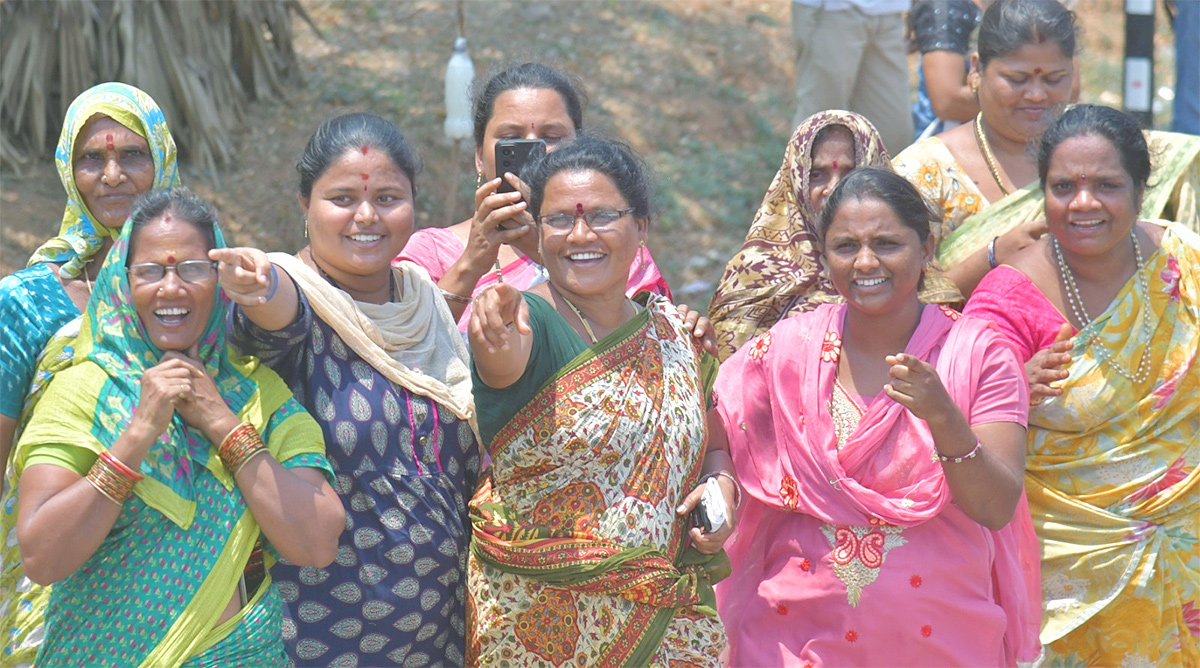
x,y
478,179
642,255
974,86
306,227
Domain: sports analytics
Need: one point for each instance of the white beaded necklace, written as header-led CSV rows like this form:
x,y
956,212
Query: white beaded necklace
x,y
1075,301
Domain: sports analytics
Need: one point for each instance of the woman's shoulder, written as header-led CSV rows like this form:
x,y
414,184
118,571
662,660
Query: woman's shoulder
x,y
434,248
442,236
928,151
38,279
34,295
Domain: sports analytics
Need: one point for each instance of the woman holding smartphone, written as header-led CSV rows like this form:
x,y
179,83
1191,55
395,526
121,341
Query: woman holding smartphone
x,y
497,244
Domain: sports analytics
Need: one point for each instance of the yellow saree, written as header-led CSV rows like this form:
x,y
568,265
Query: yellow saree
x,y
969,221
1113,482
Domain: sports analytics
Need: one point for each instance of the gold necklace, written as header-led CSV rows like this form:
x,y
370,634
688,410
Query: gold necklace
x,y
583,318
1079,310
986,149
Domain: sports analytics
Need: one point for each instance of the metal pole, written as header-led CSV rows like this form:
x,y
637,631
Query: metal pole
x,y
1139,59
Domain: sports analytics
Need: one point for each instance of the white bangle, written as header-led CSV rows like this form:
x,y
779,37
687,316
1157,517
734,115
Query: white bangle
x,y
958,460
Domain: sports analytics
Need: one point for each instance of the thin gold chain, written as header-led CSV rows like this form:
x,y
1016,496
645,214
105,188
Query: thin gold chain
x,y
986,149
582,318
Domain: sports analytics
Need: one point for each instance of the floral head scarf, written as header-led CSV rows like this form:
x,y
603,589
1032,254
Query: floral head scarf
x,y
80,236
778,270
114,338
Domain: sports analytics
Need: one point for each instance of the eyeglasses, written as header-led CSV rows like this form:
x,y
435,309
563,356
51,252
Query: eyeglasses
x,y
597,220
192,271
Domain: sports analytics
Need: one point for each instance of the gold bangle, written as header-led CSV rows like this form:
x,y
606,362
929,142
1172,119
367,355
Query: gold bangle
x,y
247,459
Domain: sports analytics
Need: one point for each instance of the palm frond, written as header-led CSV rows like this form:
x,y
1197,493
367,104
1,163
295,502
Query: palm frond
x,y
201,61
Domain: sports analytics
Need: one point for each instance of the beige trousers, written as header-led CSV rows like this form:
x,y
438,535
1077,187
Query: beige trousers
x,y
848,60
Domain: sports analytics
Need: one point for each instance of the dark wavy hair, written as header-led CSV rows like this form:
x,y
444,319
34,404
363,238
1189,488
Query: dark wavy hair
x,y
1119,128
1008,25
886,186
532,76
182,204
612,158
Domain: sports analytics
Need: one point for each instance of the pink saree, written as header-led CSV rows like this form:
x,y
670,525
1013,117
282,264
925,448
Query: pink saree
x,y
436,248
849,548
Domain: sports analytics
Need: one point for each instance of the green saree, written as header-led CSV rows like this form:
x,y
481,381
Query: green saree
x,y
154,590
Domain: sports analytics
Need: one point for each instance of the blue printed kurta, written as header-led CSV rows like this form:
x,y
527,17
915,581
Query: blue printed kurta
x,y
33,305
405,469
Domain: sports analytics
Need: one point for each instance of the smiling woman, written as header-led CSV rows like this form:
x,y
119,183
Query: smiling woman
x,y
613,488
1110,450
528,101
372,351
1023,71
114,147
777,272
198,462
871,436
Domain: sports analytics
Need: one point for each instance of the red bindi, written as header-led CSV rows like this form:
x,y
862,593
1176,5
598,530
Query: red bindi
x,y
170,259
1083,177
108,139
1037,71
364,149
578,209
835,164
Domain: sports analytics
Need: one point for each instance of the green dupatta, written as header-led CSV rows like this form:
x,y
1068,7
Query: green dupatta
x,y
84,394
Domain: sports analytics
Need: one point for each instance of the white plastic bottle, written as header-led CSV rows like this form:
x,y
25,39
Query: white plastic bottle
x,y
460,74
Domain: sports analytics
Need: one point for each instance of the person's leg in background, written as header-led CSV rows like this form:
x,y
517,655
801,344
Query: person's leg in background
x,y
1186,110
881,91
829,46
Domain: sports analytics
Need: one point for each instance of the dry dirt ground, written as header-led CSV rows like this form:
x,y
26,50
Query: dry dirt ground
x,y
702,88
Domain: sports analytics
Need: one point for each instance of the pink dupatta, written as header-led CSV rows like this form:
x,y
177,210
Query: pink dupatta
x,y
788,460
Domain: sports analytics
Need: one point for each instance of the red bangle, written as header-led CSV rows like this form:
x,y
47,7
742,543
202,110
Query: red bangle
x,y
112,478
121,467
240,446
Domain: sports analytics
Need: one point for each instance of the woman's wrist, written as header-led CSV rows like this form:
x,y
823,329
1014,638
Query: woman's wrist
x,y
462,276
728,483
217,430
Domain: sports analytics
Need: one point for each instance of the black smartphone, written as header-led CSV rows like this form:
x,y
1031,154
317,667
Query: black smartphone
x,y
701,518
512,155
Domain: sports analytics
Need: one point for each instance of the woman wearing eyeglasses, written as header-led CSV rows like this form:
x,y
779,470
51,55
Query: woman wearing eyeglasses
x,y
595,408
156,468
